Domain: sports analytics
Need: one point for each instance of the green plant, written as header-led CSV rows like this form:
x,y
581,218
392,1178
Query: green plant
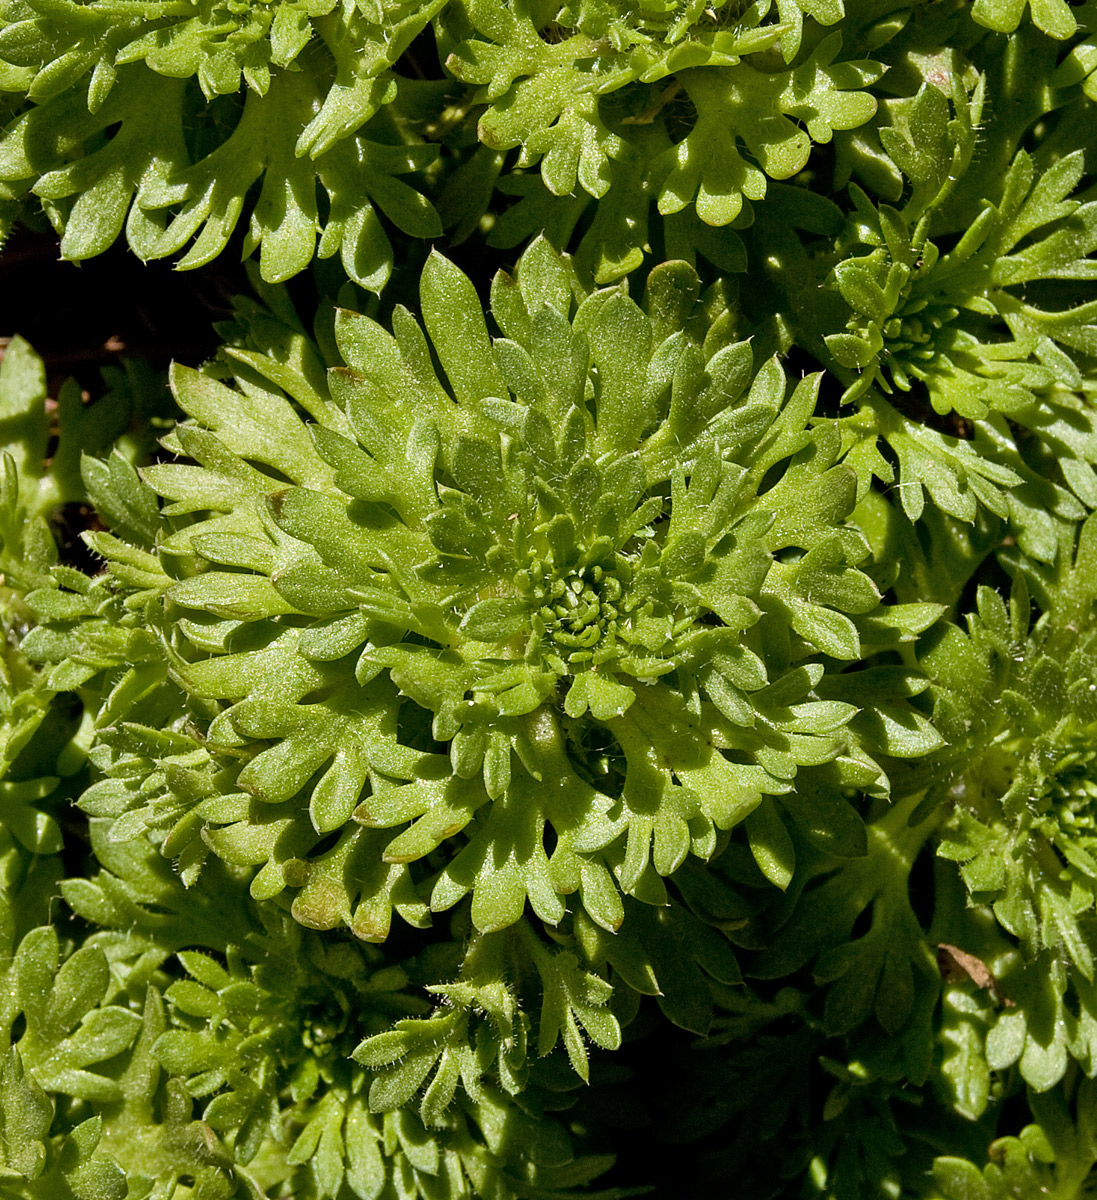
x,y
608,706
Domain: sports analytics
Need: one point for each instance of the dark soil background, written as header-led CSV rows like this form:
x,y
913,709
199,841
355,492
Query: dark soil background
x,y
82,316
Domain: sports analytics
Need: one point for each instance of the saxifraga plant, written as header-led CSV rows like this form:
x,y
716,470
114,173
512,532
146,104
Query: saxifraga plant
x,y
540,635
629,695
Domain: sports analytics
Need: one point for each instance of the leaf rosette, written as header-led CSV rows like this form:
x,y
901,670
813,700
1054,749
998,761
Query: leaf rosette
x,y
1024,804
1023,826
949,321
958,351
263,1045
211,1043
547,630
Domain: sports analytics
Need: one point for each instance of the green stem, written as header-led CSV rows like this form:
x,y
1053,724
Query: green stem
x,y
894,841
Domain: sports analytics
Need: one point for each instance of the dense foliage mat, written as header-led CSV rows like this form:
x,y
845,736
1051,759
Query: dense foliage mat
x,y
592,689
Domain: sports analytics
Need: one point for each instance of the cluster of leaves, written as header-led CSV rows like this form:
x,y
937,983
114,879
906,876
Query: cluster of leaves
x,y
326,125
162,119
577,702
209,1038
514,635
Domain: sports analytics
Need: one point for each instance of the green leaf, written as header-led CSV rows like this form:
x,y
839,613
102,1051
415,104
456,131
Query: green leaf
x,y
770,844
454,318
604,697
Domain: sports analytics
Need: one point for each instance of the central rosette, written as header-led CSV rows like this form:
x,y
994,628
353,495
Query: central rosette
x,y
577,611
577,615
1066,807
